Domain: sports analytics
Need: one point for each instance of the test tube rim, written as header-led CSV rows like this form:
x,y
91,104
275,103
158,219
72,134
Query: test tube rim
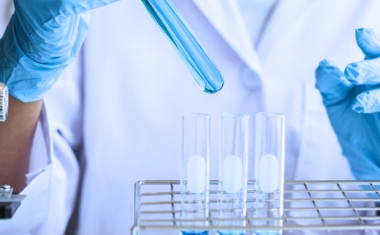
x,y
234,115
270,114
196,115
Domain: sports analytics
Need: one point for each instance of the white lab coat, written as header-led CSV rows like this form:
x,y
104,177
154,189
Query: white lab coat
x,y
115,115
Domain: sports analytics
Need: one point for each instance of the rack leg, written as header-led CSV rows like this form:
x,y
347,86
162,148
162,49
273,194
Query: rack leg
x,y
135,230
137,202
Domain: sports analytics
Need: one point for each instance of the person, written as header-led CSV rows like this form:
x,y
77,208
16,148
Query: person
x,y
114,116
40,41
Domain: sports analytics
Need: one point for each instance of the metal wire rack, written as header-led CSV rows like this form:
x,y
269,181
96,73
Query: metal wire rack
x,y
308,205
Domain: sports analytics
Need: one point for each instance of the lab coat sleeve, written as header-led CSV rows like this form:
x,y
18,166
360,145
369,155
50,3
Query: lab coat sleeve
x,y
48,205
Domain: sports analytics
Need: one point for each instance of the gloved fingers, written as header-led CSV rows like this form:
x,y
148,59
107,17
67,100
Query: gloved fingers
x,y
331,82
365,72
368,41
367,102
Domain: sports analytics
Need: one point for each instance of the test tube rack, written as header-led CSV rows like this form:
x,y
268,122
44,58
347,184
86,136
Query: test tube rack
x,y
160,211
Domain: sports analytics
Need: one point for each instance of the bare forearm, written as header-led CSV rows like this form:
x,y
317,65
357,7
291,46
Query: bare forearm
x,y
16,139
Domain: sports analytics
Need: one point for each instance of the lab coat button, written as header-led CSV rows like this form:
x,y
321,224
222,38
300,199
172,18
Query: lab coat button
x,y
250,79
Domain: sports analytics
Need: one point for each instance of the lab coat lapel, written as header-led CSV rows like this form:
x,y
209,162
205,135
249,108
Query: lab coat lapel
x,y
225,16
286,17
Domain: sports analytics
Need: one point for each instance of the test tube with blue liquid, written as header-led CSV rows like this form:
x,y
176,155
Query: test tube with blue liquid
x,y
183,40
233,172
194,178
269,172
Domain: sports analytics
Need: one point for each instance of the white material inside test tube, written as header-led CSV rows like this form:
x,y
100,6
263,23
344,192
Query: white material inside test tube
x,y
196,174
269,173
232,174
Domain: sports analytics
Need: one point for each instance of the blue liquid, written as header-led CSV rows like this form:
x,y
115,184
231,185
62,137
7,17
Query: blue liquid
x,y
265,233
194,233
203,69
231,232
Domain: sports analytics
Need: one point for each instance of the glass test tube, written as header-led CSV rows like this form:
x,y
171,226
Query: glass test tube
x,y
233,171
174,27
269,170
195,170
3,102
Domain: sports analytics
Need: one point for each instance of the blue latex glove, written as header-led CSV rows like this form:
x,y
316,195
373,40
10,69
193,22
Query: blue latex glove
x,y
352,101
41,40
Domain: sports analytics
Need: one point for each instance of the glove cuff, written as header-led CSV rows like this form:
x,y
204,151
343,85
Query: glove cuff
x,y
3,102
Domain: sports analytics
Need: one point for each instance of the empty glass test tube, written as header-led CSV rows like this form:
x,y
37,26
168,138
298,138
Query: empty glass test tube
x,y
3,102
179,34
195,170
233,172
269,171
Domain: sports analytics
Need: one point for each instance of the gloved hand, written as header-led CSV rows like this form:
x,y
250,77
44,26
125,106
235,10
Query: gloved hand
x,y
352,101
41,40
